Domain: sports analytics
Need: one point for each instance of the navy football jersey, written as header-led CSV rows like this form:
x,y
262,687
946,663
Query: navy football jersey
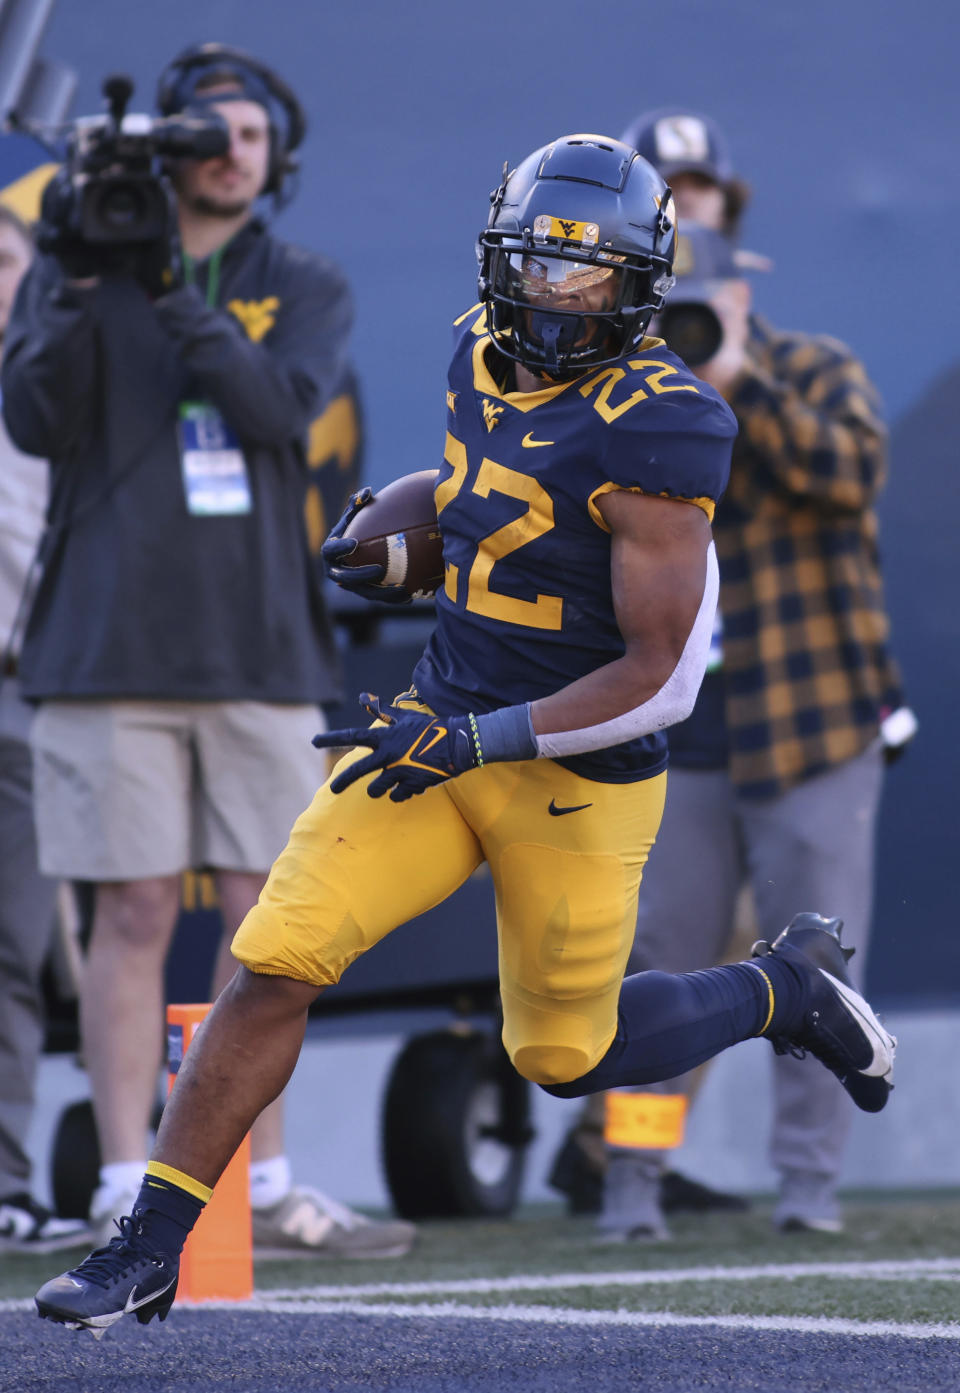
x,y
527,605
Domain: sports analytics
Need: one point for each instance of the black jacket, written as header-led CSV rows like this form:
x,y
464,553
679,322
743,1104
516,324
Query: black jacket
x,y
139,598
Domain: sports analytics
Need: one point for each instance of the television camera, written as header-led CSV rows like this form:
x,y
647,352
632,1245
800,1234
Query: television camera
x,y
114,190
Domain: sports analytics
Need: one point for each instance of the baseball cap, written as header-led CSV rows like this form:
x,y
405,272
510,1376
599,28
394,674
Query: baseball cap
x,y
703,257
677,141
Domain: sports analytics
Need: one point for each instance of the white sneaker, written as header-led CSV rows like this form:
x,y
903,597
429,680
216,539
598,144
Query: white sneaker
x,y
28,1227
306,1223
106,1206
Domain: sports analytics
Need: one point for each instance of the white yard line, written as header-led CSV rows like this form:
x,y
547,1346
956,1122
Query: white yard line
x,y
917,1269
546,1315
942,1269
348,1300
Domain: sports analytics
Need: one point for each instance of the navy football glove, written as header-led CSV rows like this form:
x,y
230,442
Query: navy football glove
x,y
414,750
361,580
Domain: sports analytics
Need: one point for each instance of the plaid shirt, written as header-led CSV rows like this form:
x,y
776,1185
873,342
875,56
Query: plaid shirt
x,y
809,675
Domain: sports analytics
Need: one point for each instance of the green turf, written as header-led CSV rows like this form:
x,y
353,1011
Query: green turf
x,y
542,1240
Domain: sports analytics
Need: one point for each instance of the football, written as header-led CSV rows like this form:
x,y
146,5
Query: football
x,y
399,530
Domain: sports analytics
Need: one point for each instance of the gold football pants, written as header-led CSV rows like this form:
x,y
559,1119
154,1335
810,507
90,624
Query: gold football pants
x,y
565,853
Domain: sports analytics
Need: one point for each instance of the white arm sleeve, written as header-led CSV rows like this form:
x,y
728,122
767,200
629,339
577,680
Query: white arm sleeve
x,y
672,703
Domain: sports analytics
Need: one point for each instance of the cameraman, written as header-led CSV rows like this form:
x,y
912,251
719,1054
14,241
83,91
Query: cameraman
x,y
775,778
177,644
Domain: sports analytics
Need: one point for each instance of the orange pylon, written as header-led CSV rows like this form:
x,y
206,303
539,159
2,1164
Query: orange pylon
x,y
217,1262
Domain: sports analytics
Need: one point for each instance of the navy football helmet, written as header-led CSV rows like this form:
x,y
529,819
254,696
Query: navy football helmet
x,y
577,255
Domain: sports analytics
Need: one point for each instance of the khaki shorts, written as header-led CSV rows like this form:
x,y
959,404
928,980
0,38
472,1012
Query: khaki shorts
x,y
126,790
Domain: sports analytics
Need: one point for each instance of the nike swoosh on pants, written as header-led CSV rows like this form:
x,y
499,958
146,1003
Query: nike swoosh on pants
x,y
554,811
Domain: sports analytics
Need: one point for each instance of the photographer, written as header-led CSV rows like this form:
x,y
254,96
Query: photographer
x,y
177,644
775,779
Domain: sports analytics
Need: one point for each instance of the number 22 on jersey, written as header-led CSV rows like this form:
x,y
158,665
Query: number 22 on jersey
x,y
546,611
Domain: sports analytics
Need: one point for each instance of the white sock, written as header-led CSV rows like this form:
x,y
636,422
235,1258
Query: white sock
x,y
270,1181
118,1177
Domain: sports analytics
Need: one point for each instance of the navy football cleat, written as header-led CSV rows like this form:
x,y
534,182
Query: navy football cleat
x,y
124,1278
837,1027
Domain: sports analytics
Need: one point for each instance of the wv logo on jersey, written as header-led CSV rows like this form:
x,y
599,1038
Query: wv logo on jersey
x,y
257,316
491,413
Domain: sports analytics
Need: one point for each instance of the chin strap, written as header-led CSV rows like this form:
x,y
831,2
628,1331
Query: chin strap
x,y
548,331
556,332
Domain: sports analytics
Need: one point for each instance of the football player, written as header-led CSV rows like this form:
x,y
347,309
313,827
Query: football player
x,y
582,465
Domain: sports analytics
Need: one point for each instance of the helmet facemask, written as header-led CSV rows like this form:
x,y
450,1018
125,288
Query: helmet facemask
x,y
561,313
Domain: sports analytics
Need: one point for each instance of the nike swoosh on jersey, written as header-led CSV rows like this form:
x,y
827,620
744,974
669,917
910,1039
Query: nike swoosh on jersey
x,y
532,444
554,811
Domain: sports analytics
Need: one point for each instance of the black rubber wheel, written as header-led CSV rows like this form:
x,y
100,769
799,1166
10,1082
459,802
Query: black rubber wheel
x,y
455,1127
75,1161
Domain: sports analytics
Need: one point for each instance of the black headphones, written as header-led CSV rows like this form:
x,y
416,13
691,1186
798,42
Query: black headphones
x,y
176,91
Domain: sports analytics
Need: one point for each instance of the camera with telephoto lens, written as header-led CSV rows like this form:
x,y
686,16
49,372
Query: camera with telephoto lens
x,y
119,192
690,329
705,259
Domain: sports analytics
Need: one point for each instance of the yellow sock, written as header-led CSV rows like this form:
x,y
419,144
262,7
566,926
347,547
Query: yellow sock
x,y
178,1178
